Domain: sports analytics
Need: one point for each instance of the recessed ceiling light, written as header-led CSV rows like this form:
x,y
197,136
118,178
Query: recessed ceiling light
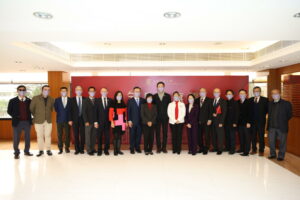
x,y
218,43
43,15
172,15
18,62
162,43
107,43
297,15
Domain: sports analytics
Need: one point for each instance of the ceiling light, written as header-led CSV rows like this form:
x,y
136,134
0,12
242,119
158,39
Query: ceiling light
x,y
172,15
107,43
162,43
218,43
297,15
18,62
43,15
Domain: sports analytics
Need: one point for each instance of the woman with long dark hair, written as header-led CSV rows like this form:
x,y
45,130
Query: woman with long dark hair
x,y
118,119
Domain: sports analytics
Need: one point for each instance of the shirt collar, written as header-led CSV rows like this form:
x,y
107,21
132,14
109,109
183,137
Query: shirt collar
x,y
22,98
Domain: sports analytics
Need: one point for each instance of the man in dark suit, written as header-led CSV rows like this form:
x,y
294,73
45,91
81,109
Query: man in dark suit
x,y
134,120
62,107
102,124
18,109
76,120
205,112
162,100
89,115
259,110
219,110
280,112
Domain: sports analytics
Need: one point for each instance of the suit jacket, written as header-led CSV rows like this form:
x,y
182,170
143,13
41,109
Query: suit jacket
x,y
193,116
40,112
244,112
284,115
89,110
148,115
14,111
232,115
220,118
259,116
162,106
205,111
74,110
101,112
62,113
134,110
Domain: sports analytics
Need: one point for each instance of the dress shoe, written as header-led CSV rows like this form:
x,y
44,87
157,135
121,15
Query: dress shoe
x,y
204,152
178,152
253,152
158,151
60,151
132,151
82,152
261,154
106,152
121,153
138,150
193,154
49,153
244,154
151,153
174,152
40,153
146,153
28,154
99,153
272,157
280,159
67,150
200,151
91,153
219,152
17,156
189,152
231,152
164,151
76,152
115,153
239,151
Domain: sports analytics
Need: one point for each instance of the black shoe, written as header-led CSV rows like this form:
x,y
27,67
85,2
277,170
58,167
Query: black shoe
x,y
138,150
193,154
106,152
231,152
164,151
60,151
200,151
158,150
132,151
174,152
151,153
40,153
121,153
81,152
244,154
67,150
17,156
91,153
272,157
115,153
204,152
219,152
28,154
49,153
280,159
76,152
146,153
178,152
189,152
99,153
239,151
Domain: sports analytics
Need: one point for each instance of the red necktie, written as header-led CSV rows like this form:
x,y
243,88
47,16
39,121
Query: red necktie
x,y
176,110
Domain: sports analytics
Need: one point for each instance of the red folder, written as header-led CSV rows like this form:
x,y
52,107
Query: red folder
x,y
218,110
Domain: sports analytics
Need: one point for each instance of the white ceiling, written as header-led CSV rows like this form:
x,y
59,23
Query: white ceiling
x,y
138,25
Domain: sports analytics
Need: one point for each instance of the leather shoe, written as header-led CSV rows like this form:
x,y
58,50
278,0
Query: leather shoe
x,y
17,156
49,153
76,152
204,152
272,157
164,151
40,153
280,159
60,151
244,154
99,153
106,152
138,150
132,151
28,154
67,150
219,152
253,152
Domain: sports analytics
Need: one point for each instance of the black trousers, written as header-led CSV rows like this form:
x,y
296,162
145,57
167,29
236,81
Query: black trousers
x,y
79,134
164,126
245,137
176,130
148,137
275,134
117,131
22,126
204,133
258,131
63,135
218,135
103,130
230,137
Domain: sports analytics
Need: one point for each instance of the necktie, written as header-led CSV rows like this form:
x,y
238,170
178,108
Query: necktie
x,y
176,110
215,102
93,100
79,105
201,102
256,100
105,103
137,101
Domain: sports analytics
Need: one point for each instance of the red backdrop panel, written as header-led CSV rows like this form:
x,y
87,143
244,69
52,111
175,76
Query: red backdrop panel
x,y
184,84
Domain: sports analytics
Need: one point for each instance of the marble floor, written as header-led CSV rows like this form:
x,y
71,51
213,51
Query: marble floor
x,y
161,176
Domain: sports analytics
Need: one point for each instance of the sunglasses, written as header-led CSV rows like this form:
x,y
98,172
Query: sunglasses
x,y
22,90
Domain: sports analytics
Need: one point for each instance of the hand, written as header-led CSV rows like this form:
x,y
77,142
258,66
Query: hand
x,y
126,124
248,125
87,124
70,123
177,122
189,125
208,122
215,115
112,124
220,125
130,124
234,125
149,124
96,125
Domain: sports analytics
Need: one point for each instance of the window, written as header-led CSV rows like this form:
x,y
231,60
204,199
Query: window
x,y
8,91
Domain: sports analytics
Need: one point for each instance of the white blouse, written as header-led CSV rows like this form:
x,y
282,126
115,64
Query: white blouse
x,y
171,112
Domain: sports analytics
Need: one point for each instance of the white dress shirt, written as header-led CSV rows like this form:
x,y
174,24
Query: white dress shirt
x,y
171,112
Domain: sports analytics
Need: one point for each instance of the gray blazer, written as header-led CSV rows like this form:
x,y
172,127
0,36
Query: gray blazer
x,y
148,115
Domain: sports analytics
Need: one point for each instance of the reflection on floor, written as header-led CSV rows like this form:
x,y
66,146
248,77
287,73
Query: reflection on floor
x,y
161,176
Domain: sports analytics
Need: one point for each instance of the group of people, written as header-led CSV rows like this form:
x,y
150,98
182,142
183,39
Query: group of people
x,y
210,122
